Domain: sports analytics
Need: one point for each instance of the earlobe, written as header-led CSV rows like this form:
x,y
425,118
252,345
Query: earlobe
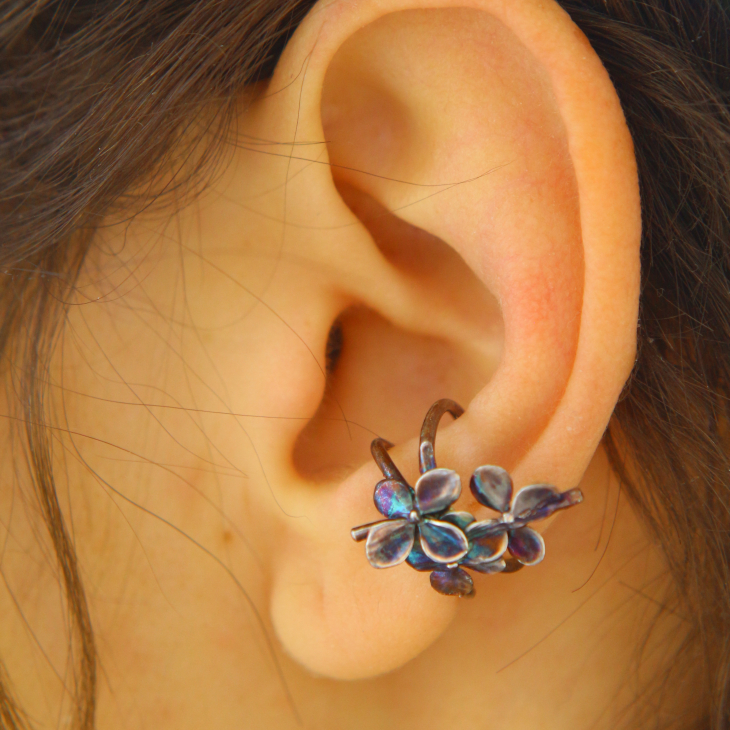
x,y
511,151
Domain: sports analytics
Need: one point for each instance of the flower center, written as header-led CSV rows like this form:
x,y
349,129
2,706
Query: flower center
x,y
413,516
507,517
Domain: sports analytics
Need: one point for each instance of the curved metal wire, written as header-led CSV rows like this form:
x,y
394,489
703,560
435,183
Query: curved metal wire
x,y
426,455
379,449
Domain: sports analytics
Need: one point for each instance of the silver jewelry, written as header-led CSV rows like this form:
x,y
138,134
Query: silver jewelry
x,y
421,529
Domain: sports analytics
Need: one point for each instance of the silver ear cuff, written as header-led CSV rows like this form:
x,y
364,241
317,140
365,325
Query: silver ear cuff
x,y
421,529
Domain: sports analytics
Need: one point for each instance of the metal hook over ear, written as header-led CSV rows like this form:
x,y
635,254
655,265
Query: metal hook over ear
x,y
427,445
421,529
426,448
379,449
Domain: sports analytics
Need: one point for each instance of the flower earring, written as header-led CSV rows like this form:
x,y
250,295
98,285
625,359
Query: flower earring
x,y
421,529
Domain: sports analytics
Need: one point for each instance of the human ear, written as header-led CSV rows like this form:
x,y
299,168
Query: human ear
x,y
486,138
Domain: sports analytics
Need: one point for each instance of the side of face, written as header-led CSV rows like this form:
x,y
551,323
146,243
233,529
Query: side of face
x,y
449,193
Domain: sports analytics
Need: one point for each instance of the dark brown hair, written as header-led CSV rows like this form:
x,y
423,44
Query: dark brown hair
x,y
100,98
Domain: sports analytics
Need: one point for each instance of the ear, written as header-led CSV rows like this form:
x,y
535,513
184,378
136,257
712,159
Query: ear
x,y
476,210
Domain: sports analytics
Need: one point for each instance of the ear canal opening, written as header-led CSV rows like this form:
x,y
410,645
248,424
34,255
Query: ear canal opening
x,y
333,348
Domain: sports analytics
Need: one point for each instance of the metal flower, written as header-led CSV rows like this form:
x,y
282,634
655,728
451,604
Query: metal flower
x,y
484,555
411,513
419,527
492,486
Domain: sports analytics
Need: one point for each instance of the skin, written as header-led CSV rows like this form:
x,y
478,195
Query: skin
x,y
202,452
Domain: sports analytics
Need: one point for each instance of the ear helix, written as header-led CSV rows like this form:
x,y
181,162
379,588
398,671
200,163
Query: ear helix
x,y
421,529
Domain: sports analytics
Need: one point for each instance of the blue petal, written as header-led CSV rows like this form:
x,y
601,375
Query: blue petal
x,y
389,543
419,560
442,541
492,487
436,490
494,566
527,546
452,582
487,548
532,498
460,519
393,499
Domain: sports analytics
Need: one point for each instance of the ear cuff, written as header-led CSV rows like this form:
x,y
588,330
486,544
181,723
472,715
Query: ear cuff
x,y
421,529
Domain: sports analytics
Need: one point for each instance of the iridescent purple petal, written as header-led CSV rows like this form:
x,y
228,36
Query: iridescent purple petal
x,y
492,487
455,582
442,541
527,546
436,490
485,549
485,528
560,501
532,498
494,566
393,499
419,560
389,543
460,519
